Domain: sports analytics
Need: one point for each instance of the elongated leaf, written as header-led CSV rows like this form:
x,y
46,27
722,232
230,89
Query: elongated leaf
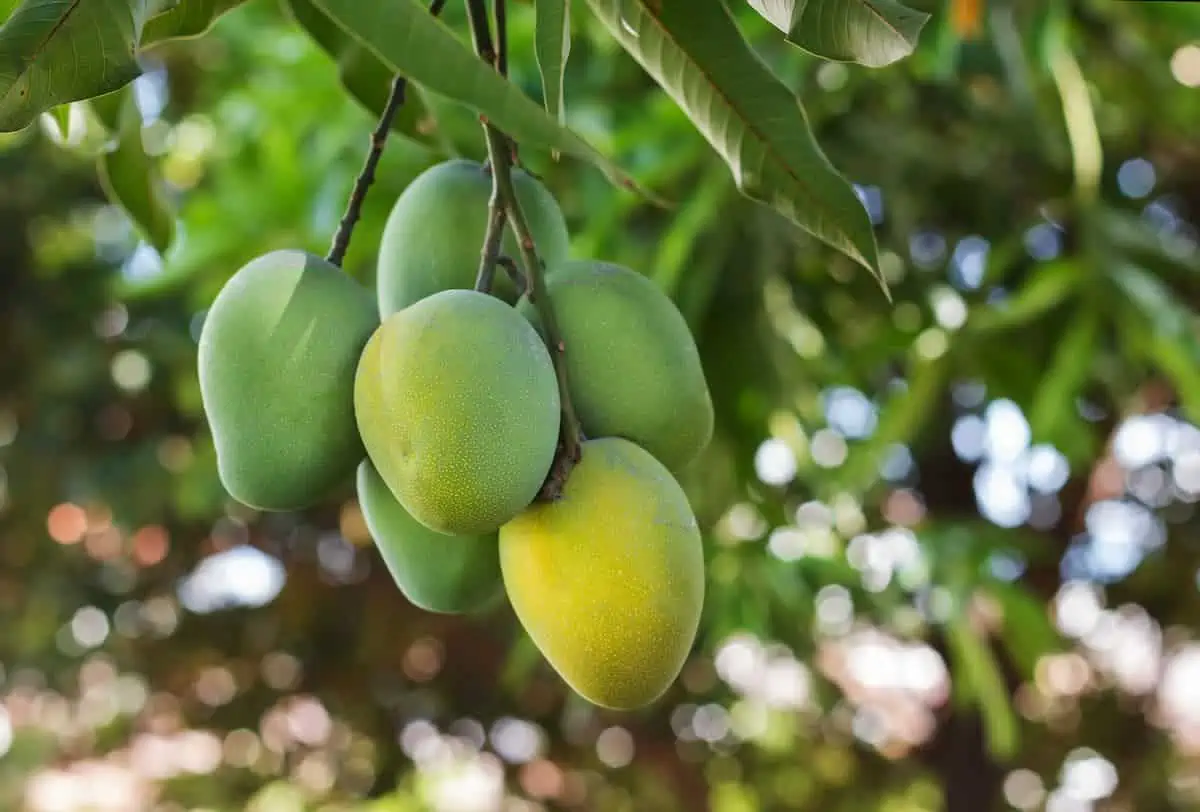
x,y
1054,404
56,51
901,419
1051,284
696,53
1028,633
362,73
976,665
873,33
410,41
553,46
185,18
1168,334
129,179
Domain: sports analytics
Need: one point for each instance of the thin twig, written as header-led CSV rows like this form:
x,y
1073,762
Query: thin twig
x,y
514,273
501,159
366,176
497,219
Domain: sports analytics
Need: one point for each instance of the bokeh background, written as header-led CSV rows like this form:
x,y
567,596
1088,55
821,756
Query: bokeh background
x,y
951,539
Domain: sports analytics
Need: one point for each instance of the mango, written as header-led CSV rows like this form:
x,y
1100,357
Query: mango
x,y
276,363
436,572
434,233
609,580
457,403
633,369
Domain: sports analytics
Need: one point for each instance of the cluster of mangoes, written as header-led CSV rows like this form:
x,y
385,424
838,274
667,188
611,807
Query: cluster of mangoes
x,y
446,401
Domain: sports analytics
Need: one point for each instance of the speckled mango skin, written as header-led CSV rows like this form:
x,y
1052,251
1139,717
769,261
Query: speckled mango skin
x,y
458,407
276,363
609,580
433,234
436,572
632,364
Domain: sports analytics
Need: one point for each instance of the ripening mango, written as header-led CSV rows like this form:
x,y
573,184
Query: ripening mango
x,y
609,580
457,403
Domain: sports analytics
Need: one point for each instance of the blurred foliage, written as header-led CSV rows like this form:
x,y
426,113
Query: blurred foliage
x,y
951,539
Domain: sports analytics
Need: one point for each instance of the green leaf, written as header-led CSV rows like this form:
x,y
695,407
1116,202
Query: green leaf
x,y
409,40
1027,632
129,179
901,419
873,33
757,125
364,76
57,51
185,18
552,47
1053,406
976,665
1049,286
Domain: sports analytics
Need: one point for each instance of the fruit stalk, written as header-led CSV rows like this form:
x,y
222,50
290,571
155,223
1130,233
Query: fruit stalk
x,y
501,160
341,238
490,254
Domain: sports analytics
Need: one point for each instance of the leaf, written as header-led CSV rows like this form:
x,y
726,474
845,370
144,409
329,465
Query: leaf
x,y
1049,286
1028,633
57,51
1170,337
185,18
552,47
367,79
129,179
873,33
409,40
901,419
757,125
1054,404
976,665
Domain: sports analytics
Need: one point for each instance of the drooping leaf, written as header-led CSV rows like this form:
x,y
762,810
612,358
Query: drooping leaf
x,y
975,664
873,33
1164,331
58,51
130,180
1028,633
185,18
553,46
362,73
409,40
1053,406
1049,286
696,53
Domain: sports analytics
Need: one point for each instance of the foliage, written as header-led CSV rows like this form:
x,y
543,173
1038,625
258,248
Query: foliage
x,y
947,537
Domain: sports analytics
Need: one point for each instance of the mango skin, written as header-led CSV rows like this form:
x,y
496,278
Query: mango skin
x,y
436,572
633,368
276,363
433,235
609,580
458,407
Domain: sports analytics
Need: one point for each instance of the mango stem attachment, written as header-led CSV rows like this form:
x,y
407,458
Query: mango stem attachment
x,y
500,158
366,176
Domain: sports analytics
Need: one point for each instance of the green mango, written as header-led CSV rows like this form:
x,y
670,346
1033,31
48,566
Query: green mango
x,y
458,406
278,352
434,235
633,369
436,572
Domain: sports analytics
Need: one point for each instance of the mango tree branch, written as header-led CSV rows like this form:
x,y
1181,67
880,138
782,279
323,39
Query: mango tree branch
x,y
500,159
341,238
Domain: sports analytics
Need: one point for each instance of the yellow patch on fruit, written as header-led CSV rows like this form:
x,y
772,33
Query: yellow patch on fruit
x,y
609,580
